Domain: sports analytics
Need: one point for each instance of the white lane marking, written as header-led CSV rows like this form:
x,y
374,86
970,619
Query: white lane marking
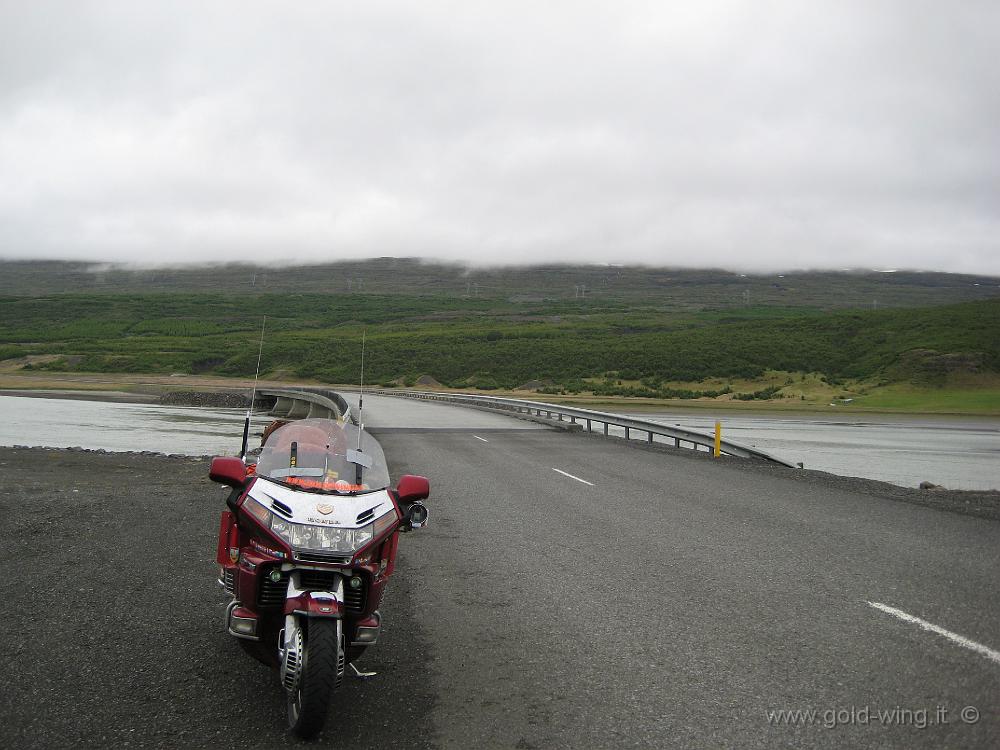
x,y
560,471
479,438
961,640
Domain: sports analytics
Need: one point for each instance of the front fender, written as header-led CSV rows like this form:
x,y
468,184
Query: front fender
x,y
314,603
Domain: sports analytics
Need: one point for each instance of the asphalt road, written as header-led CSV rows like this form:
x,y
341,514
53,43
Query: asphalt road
x,y
667,600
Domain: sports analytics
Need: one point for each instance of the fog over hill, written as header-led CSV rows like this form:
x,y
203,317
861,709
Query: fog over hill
x,y
409,276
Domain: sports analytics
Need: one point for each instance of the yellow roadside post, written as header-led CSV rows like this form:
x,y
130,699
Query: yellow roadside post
x,y
718,439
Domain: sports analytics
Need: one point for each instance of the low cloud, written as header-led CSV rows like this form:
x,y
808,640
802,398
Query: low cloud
x,y
747,135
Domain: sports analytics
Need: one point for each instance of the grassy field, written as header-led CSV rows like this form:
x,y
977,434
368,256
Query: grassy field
x,y
982,398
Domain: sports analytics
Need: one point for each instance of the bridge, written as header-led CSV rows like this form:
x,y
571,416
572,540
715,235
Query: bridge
x,y
329,404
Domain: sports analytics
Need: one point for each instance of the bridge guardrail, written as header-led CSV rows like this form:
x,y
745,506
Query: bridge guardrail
x,y
298,403
588,418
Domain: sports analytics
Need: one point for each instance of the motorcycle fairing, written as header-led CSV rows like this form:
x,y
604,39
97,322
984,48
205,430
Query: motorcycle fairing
x,y
340,511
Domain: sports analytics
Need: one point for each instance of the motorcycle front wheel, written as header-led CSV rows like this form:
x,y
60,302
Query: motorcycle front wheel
x,y
322,671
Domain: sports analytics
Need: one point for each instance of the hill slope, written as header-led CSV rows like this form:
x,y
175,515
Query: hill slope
x,y
494,344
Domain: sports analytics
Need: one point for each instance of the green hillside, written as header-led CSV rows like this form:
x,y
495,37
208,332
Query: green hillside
x,y
603,346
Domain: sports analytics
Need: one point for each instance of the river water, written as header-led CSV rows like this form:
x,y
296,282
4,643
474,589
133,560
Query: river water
x,y
955,452
66,423
958,453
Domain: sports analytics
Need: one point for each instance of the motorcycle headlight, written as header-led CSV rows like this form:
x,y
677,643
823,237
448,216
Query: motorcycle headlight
x,y
320,538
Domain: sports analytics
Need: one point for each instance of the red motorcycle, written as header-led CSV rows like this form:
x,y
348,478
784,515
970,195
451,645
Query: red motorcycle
x,y
305,551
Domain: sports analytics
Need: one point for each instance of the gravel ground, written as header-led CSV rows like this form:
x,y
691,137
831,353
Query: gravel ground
x,y
217,399
113,619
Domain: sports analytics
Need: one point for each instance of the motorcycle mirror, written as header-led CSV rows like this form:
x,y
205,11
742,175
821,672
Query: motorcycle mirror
x,y
228,470
412,488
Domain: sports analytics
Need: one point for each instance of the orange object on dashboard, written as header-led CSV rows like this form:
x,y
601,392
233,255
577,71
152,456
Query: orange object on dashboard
x,y
338,485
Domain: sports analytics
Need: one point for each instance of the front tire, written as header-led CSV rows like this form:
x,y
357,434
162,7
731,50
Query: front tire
x,y
321,673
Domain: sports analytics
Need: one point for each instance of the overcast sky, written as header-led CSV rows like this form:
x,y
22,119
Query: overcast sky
x,y
749,135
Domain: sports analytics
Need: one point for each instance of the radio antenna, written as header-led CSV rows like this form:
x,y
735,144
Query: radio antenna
x,y
361,393
253,394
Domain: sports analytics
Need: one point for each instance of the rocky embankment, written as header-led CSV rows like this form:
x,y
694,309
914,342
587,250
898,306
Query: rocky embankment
x,y
217,399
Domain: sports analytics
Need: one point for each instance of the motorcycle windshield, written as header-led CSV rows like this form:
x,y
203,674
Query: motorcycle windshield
x,y
321,455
